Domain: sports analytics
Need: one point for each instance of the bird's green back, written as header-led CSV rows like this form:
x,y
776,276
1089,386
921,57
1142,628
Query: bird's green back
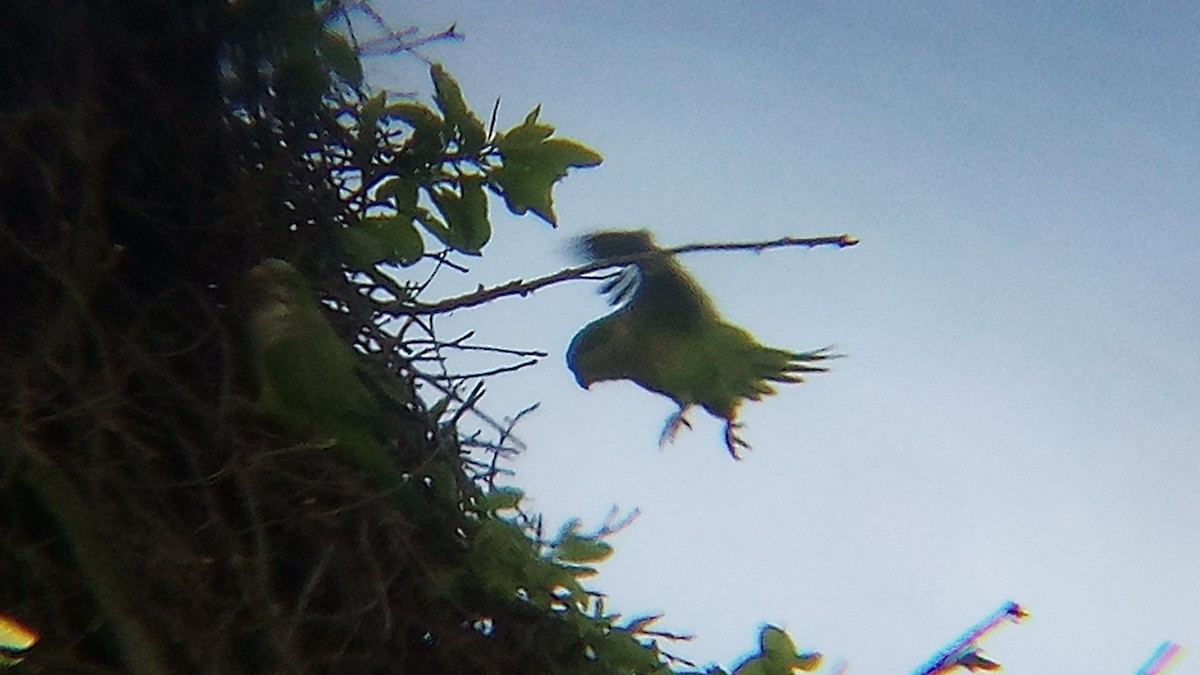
x,y
310,380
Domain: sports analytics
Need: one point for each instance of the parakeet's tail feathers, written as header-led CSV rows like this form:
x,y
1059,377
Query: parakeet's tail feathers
x,y
760,388
812,361
777,365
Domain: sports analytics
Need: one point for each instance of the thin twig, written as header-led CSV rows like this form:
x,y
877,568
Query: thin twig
x,y
460,344
394,41
614,522
499,370
484,417
522,288
469,404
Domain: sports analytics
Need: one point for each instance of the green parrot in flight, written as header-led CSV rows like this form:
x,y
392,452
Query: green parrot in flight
x,y
668,337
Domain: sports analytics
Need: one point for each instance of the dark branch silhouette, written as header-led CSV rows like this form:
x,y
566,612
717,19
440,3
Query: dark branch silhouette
x,y
521,287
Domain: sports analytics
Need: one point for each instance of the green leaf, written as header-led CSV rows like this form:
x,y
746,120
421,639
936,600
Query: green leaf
x,y
429,133
779,653
448,94
562,579
622,653
362,247
370,113
500,499
774,641
368,121
400,238
402,191
466,227
439,408
582,550
445,485
640,623
414,115
756,666
581,571
525,190
554,155
380,238
809,661
500,553
527,133
532,164
341,57
567,153
568,529
449,99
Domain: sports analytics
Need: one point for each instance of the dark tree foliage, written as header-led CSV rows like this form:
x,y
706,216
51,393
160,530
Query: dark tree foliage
x,y
190,191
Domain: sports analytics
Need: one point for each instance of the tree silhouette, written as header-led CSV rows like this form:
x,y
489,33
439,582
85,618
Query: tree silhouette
x,y
227,436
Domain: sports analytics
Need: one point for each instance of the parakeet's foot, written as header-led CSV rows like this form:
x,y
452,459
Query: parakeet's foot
x,y
671,428
733,441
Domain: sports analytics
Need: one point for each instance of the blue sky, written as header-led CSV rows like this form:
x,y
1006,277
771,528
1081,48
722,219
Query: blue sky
x,y
1017,417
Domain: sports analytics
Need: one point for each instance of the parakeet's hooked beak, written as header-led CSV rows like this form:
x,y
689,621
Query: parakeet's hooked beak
x,y
581,349
582,381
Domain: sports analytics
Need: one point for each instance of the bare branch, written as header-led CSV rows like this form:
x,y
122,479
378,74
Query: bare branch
x,y
483,373
393,41
484,417
469,404
522,288
614,522
460,344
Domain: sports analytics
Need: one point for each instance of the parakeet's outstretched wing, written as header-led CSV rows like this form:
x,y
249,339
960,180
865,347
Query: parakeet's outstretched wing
x,y
660,311
664,289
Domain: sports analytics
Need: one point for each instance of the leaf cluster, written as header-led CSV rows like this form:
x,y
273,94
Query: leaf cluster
x,y
430,169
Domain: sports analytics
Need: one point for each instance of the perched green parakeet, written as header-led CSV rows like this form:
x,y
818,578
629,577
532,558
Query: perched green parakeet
x,y
310,380
669,338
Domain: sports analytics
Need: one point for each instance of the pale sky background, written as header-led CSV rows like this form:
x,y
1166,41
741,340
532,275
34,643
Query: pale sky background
x,y
1019,414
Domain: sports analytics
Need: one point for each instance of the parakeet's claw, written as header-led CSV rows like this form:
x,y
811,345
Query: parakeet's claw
x,y
671,428
732,440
